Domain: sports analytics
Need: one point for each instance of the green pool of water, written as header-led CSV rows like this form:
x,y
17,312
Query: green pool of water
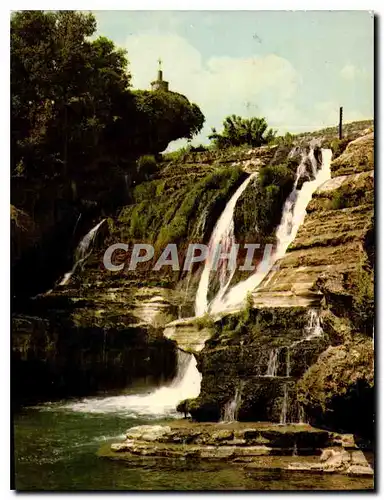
x,y
56,449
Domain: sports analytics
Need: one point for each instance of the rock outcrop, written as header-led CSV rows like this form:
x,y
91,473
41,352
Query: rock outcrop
x,y
253,445
331,237
273,358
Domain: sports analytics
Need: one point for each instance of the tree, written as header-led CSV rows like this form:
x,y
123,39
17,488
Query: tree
x,y
238,131
71,105
65,90
163,117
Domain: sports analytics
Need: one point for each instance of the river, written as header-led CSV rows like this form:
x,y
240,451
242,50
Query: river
x,y
55,448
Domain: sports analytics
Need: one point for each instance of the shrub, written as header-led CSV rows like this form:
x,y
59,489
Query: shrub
x,y
284,140
205,321
338,146
238,131
364,300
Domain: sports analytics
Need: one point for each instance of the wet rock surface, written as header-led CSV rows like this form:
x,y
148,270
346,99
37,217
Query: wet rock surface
x,y
297,447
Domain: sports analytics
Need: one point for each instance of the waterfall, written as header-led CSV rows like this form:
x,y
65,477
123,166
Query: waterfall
x,y
273,362
288,362
313,330
222,238
302,415
82,252
231,408
284,407
293,215
160,402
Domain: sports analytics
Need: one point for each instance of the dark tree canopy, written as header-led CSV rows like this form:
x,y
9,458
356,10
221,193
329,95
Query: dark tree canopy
x,y
165,117
238,131
71,105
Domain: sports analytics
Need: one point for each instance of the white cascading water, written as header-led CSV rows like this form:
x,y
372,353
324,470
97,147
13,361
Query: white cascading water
x,y
273,362
158,403
313,330
284,407
82,252
223,238
231,408
294,212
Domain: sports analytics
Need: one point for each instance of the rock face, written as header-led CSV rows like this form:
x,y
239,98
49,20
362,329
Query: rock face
x,y
338,388
254,445
254,358
69,345
190,334
331,237
269,354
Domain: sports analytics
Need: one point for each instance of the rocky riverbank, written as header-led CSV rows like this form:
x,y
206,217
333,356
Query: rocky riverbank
x,y
298,447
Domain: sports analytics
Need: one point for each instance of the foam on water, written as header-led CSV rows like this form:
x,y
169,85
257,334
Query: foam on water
x,y
155,404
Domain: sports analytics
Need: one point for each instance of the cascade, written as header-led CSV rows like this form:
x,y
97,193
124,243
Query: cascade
x,y
288,362
313,330
82,251
231,408
273,362
294,211
222,237
284,408
160,402
302,415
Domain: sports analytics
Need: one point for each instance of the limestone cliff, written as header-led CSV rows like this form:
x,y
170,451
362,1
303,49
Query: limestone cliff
x,y
268,353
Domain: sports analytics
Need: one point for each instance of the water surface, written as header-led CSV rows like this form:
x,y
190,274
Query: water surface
x,y
56,448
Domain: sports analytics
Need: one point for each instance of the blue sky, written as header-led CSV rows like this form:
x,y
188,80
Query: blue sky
x,y
294,68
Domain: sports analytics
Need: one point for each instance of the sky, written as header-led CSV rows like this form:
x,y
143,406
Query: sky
x,y
295,68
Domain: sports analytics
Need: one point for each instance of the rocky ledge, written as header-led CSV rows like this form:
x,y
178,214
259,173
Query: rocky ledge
x,y
297,447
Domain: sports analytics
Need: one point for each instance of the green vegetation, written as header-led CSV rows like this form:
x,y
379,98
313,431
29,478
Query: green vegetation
x,y
285,140
168,210
163,117
338,146
364,299
351,195
71,106
205,321
264,203
238,131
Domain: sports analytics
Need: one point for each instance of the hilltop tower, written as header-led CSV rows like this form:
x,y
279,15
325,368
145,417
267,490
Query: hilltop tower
x,y
160,84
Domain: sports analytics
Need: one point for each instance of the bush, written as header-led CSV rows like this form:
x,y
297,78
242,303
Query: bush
x,y
364,300
238,131
338,146
205,321
284,140
260,207
274,186
169,211
351,195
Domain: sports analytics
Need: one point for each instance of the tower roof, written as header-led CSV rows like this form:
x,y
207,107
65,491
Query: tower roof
x,y
159,84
